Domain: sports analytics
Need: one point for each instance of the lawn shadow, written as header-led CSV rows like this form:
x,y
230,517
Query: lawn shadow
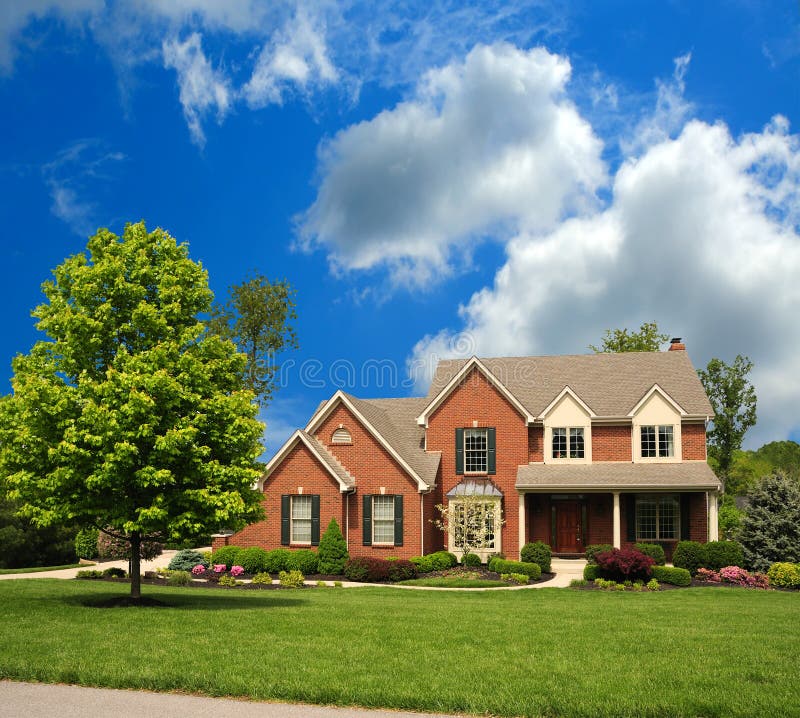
x,y
190,601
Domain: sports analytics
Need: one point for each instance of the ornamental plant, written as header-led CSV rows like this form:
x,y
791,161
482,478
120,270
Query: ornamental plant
x,y
236,570
784,575
198,570
219,568
625,564
332,552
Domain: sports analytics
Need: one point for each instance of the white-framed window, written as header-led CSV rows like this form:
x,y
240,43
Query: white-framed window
x,y
476,451
657,518
341,436
568,443
481,522
383,520
657,441
301,519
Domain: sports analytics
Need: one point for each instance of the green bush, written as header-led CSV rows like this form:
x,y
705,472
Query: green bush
x,y
784,575
723,553
86,543
653,550
179,578
518,578
227,554
114,572
537,552
531,570
653,585
423,563
470,559
591,571
401,570
332,553
593,549
277,560
690,555
303,560
674,576
262,578
442,560
89,573
252,560
227,580
291,579
186,560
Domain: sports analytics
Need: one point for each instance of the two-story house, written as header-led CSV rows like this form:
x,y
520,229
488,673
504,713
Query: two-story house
x,y
569,450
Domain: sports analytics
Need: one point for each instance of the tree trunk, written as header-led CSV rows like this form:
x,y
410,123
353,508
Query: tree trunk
x,y
135,572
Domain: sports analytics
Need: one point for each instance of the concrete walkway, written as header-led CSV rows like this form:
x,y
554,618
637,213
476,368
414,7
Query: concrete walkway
x,y
41,700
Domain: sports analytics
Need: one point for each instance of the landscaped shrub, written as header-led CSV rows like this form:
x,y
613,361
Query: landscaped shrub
x,y
593,549
114,572
236,571
86,543
423,563
652,585
110,547
690,555
303,560
470,559
723,553
291,579
179,578
401,570
654,550
228,581
740,577
277,560
672,576
227,555
332,553
367,569
252,560
537,552
442,560
591,571
626,563
531,570
89,573
262,578
784,575
518,578
198,570
185,560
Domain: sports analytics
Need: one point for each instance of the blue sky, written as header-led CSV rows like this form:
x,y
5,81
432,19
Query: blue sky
x,y
434,179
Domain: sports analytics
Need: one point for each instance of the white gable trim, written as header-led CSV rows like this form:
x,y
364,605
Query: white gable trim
x,y
472,363
566,391
283,452
341,398
653,389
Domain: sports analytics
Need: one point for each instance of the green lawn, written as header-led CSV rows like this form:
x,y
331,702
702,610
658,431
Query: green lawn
x,y
710,652
39,569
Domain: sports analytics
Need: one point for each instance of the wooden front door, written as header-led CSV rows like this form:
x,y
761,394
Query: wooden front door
x,y
568,527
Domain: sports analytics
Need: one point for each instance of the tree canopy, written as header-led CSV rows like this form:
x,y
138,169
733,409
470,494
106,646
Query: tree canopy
x,y
647,339
129,414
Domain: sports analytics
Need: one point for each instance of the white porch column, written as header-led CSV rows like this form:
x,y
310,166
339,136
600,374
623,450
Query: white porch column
x,y
521,522
713,520
617,522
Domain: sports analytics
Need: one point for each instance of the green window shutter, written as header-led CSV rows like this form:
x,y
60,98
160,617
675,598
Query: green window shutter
x,y
366,520
492,454
630,503
685,499
285,516
398,520
315,520
459,451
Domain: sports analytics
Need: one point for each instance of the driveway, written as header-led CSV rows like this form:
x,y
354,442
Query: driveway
x,y
162,561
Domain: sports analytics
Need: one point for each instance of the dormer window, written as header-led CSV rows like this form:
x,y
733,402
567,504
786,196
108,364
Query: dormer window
x,y
568,443
657,441
341,436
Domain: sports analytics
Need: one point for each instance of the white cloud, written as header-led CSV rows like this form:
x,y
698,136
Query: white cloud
x,y
483,144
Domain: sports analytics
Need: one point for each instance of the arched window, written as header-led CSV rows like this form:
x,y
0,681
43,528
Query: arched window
x,y
341,436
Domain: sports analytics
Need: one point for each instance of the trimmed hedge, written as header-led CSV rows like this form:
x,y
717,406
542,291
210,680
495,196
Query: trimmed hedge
x,y
442,560
624,564
470,559
591,571
690,555
374,570
723,553
227,555
537,552
423,563
303,560
531,570
674,576
653,550
784,575
252,560
186,560
593,549
277,560
401,570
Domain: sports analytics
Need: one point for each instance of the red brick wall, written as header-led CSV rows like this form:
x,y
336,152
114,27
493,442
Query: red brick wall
x,y
611,443
599,518
693,442
477,400
535,444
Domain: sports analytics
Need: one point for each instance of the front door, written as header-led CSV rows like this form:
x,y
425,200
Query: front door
x,y
568,527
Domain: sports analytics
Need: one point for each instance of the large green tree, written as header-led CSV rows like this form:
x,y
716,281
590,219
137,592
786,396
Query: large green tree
x,y
733,399
257,318
129,415
647,339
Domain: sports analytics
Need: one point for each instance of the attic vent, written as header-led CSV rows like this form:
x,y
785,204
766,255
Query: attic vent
x,y
341,436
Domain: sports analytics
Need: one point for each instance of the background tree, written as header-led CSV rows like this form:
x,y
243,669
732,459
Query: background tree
x,y
733,399
257,318
128,415
647,339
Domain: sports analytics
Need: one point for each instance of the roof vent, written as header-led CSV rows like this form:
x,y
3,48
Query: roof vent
x,y
676,345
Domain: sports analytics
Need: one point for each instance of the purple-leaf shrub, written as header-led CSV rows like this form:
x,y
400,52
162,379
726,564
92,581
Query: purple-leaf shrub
x,y
625,564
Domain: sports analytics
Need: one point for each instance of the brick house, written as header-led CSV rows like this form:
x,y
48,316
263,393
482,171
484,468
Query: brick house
x,y
569,450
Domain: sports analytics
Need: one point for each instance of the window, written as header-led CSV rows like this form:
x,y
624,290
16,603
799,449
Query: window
x,y
657,518
657,441
476,450
341,436
301,519
575,449
383,519
479,520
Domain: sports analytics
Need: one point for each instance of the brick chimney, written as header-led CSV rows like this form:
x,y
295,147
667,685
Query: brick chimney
x,y
676,345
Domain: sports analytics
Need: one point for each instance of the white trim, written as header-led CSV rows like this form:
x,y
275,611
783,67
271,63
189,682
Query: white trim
x,y
340,396
522,526
286,448
653,389
566,391
609,488
617,521
472,363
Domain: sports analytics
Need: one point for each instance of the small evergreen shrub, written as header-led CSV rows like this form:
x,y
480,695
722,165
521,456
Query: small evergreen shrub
x,y
291,579
401,570
262,578
518,578
89,573
690,555
332,553
625,563
537,552
86,543
723,553
321,584
303,560
470,559
578,582
277,560
593,549
252,560
442,560
674,576
113,572
185,560
653,585
179,578
591,572
784,575
227,580
423,563
531,570
653,550
227,555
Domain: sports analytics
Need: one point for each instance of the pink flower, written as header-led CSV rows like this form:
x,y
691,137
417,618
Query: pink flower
x,y
219,568
199,570
236,570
